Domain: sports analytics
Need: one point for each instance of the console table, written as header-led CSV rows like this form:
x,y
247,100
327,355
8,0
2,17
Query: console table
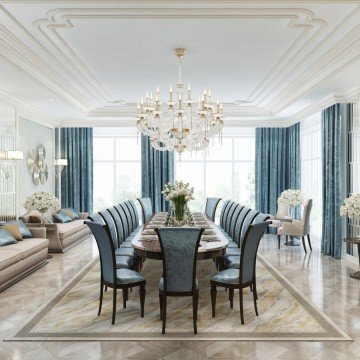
x,y
355,241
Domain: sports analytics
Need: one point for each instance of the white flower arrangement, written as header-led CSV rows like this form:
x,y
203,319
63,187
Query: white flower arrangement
x,y
351,207
42,201
291,197
178,190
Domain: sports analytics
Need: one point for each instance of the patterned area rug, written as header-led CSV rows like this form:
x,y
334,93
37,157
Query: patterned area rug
x,y
284,314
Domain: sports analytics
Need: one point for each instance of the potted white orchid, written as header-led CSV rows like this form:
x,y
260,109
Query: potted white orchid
x,y
179,194
351,207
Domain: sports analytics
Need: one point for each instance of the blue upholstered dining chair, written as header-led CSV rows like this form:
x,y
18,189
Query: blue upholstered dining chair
x,y
125,256
210,207
111,276
245,276
179,247
225,215
230,214
147,209
226,203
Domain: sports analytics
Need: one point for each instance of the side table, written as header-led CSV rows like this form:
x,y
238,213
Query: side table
x,y
355,241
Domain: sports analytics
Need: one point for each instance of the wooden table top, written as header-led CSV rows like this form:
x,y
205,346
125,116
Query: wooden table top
x,y
212,244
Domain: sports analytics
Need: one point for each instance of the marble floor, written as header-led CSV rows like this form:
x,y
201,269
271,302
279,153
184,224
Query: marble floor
x,y
323,280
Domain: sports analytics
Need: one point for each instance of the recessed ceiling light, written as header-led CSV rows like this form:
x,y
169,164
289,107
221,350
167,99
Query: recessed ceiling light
x,y
308,99
51,99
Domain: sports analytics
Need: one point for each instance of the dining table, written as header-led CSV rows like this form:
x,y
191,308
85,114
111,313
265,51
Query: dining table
x,y
213,242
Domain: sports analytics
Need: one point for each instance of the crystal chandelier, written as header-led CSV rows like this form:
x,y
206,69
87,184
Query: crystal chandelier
x,y
180,124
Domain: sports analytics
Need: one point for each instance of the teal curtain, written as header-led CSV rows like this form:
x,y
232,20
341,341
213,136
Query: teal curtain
x,y
277,165
332,165
157,168
77,177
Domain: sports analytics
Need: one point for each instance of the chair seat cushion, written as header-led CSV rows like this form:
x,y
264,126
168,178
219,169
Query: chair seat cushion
x,y
232,244
124,251
124,262
233,251
232,262
127,276
126,244
228,276
161,284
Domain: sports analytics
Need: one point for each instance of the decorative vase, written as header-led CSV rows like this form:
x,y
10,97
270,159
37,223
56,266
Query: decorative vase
x,y
179,208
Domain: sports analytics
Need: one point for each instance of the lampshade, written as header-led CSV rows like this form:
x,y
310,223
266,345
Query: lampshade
x,y
61,162
11,155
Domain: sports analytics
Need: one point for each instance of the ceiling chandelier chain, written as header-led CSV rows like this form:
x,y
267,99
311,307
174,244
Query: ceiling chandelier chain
x,y
180,124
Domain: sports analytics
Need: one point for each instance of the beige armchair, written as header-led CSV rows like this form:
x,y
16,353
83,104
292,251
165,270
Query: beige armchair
x,y
299,227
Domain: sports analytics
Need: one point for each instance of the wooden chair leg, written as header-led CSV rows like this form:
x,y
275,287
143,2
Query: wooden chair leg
x,y
161,301
241,305
231,298
164,314
279,241
105,288
194,303
124,291
142,293
309,242
255,298
114,305
303,242
213,293
101,297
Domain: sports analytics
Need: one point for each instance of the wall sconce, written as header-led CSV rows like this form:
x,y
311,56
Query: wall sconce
x,y
60,164
8,158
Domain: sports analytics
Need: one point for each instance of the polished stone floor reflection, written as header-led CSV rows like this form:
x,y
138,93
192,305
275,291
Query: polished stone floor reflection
x,y
323,280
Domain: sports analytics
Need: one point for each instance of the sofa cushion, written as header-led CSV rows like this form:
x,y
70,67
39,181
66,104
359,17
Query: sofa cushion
x,y
24,231
6,239
29,246
60,217
71,213
14,230
68,229
9,257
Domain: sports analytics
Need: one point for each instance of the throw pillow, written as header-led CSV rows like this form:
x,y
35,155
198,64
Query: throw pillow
x,y
24,231
71,213
35,219
6,238
14,230
60,217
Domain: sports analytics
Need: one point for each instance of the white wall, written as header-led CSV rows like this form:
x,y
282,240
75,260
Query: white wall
x,y
31,135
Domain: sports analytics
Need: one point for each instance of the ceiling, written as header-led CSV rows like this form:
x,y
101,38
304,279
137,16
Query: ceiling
x,y
90,62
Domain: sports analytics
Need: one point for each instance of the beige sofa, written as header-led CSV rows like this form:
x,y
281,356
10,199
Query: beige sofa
x,y
62,236
21,259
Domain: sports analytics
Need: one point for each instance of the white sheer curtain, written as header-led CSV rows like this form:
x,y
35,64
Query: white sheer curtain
x,y
225,170
117,166
311,168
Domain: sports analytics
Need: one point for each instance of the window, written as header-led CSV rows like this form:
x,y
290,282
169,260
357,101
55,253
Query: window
x,y
225,170
117,166
311,168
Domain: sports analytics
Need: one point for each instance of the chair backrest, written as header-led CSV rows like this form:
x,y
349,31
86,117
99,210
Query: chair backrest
x,y
96,218
226,213
282,211
306,215
239,224
210,207
234,219
249,250
229,216
108,219
124,220
261,217
222,214
250,217
146,208
128,218
118,224
130,212
179,248
106,250
136,215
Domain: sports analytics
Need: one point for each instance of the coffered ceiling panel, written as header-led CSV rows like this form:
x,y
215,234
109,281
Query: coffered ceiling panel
x,y
267,61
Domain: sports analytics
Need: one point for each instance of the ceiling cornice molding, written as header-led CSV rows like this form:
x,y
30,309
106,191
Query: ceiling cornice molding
x,y
29,112
202,2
